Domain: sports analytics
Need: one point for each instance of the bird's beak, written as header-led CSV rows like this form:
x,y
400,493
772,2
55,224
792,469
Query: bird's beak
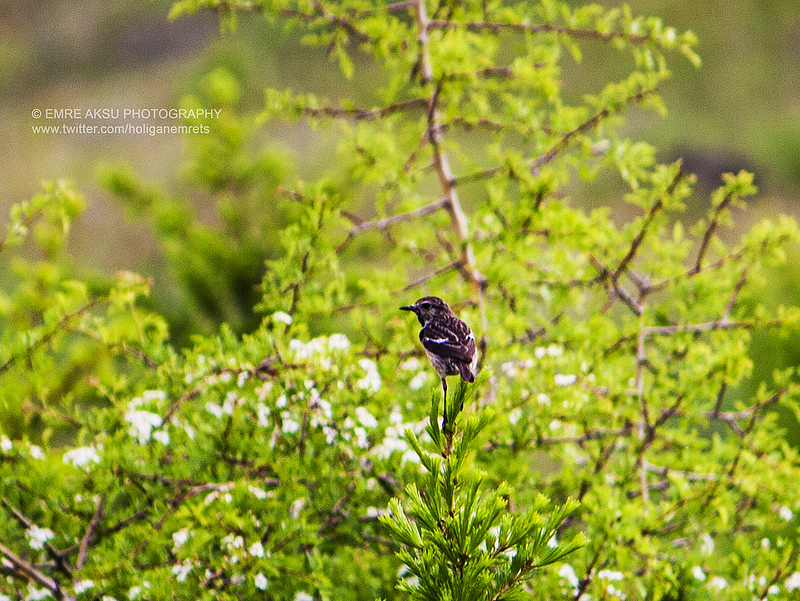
x,y
409,308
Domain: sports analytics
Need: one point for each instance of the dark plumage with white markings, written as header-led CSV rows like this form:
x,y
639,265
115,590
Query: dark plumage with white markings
x,y
448,341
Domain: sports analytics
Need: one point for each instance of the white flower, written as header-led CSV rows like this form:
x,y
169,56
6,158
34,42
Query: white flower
x,y
372,379
81,456
411,364
610,575
567,572
514,415
564,379
260,581
785,513
282,317
82,586
5,444
37,537
303,596
773,590
540,352
134,592
555,424
707,546
793,581
718,583
612,590
418,381
765,543
366,418
257,492
35,594
296,507
142,424
256,549
179,537
361,437
290,426
153,395
543,399
555,351
698,573
36,452
181,570
338,342
162,437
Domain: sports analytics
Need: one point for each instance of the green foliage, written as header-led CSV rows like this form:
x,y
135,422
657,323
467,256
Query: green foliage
x,y
461,542
259,461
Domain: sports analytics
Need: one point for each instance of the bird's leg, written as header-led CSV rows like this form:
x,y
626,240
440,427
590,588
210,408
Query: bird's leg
x,y
444,398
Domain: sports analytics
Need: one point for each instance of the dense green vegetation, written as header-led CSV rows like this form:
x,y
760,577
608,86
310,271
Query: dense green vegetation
x,y
267,425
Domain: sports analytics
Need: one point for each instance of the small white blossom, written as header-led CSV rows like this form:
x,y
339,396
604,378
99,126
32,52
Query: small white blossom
x,y
785,513
411,364
282,317
615,592
260,581
372,379
338,342
214,409
564,379
162,437
707,546
514,415
543,399
36,452
773,590
303,596
296,507
181,570
179,537
718,583
418,381
793,581
81,456
82,586
567,572
36,594
5,444
361,437
142,424
765,543
37,537
555,351
257,492
366,418
134,592
290,426
698,573
540,352
153,395
256,549
610,575
555,424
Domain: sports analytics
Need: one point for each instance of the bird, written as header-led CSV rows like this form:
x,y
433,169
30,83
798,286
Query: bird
x,y
448,341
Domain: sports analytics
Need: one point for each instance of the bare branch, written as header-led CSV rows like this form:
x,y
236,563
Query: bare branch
x,y
541,28
34,574
90,530
358,114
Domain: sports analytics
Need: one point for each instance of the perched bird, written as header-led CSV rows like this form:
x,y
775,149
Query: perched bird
x,y
448,341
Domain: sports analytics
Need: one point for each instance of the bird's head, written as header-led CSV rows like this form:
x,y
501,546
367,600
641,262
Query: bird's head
x,y
427,308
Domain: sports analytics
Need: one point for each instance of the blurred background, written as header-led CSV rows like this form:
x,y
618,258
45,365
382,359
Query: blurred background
x,y
741,110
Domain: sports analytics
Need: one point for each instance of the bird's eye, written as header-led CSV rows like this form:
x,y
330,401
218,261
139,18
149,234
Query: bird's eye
x,y
426,305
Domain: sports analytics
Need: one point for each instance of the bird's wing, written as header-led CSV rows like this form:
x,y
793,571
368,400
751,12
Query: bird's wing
x,y
451,339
